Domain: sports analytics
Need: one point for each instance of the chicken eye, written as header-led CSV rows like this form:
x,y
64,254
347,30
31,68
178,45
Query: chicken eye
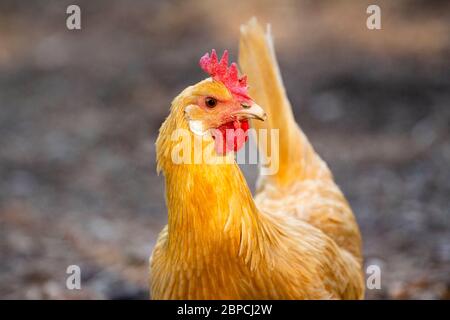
x,y
210,102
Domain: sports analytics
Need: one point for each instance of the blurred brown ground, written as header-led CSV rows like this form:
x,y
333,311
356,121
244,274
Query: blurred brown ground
x,y
80,110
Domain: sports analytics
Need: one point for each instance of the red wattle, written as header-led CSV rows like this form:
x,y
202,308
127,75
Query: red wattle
x,y
231,136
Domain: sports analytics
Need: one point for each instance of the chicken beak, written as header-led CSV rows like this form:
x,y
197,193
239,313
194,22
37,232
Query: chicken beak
x,y
251,111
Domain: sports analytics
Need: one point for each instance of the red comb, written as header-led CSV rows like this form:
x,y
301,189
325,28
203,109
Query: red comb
x,y
220,71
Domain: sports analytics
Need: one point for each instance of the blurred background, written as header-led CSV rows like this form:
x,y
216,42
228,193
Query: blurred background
x,y
80,110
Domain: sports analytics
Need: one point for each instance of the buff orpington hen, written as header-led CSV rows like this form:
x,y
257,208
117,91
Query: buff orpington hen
x,y
295,239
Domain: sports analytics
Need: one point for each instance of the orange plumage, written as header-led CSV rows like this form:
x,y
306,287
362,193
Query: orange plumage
x,y
296,239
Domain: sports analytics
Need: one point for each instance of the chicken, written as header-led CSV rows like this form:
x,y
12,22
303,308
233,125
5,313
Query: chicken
x,y
296,239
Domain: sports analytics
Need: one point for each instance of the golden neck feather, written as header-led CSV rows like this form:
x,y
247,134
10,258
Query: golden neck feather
x,y
210,207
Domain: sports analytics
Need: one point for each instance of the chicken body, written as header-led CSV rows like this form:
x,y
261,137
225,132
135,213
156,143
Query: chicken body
x,y
304,186
297,239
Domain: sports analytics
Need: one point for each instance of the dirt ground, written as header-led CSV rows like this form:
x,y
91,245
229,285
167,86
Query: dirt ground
x,y
80,110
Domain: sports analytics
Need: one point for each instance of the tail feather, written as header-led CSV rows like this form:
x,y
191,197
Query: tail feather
x,y
293,153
